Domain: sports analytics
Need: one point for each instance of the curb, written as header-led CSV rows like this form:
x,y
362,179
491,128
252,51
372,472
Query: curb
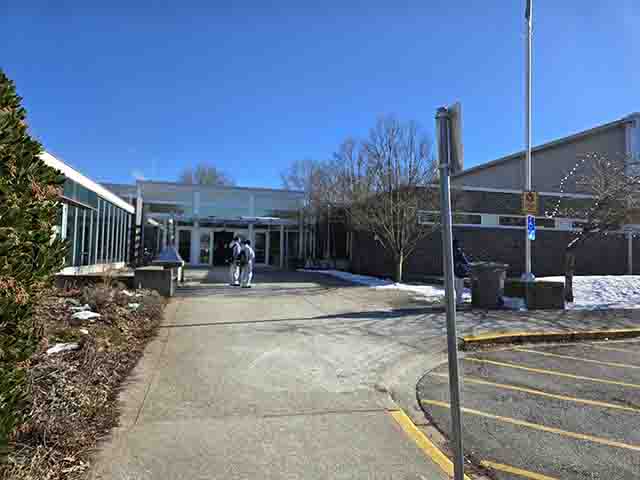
x,y
471,341
423,443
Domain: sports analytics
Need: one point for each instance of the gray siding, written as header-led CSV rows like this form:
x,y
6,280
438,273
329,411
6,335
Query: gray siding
x,y
549,164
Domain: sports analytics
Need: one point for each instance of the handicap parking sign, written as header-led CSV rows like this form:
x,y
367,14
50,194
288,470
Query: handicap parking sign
x,y
531,227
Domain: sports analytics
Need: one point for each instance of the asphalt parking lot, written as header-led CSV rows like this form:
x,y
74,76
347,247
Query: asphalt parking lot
x,y
546,412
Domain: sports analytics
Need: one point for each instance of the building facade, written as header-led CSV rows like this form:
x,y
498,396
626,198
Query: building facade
x,y
95,222
111,225
208,217
489,221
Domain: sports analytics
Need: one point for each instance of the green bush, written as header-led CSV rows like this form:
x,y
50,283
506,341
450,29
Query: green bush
x,y
29,254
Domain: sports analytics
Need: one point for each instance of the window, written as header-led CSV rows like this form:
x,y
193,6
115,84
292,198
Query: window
x,y
117,235
109,239
512,221
69,189
70,234
292,244
168,208
103,225
546,222
274,247
98,231
122,234
276,205
225,209
78,241
467,219
428,217
86,236
128,234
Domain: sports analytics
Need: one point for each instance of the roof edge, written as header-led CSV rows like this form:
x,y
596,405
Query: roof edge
x,y
77,176
219,187
553,143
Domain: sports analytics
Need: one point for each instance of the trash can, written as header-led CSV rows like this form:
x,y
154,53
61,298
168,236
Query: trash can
x,y
487,284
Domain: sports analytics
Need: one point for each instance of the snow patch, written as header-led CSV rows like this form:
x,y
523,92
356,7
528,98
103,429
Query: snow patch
x,y
590,292
81,308
129,294
602,292
433,292
62,347
84,315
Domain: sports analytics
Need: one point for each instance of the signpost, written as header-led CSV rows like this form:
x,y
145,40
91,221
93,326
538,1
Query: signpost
x,y
528,274
443,125
530,203
531,227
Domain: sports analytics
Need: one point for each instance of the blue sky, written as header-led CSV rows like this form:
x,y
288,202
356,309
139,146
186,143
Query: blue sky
x,y
148,88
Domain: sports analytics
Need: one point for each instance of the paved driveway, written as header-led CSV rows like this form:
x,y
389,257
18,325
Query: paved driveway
x,y
295,379
563,412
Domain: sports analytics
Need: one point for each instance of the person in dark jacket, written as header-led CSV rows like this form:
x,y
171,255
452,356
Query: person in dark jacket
x,y
461,269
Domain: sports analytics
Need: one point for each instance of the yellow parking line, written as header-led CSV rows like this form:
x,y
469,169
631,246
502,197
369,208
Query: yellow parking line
x,y
581,359
423,442
536,426
623,350
551,372
515,471
542,394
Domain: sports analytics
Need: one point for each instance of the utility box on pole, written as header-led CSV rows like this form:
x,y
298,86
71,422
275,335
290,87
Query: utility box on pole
x,y
456,150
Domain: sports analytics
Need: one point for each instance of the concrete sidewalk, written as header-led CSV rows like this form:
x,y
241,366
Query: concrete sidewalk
x,y
281,381
293,379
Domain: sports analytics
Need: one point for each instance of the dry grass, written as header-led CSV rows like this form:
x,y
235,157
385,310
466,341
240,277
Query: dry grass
x,y
74,394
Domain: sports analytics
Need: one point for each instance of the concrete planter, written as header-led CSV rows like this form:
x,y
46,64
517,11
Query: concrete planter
x,y
163,280
539,295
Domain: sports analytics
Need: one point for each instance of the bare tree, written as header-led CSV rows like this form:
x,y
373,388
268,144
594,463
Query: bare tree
x,y
385,181
205,174
614,185
306,175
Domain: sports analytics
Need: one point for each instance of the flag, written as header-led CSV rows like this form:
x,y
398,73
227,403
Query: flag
x,y
527,12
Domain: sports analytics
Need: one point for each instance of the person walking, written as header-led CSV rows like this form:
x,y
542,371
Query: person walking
x,y
461,269
248,257
234,262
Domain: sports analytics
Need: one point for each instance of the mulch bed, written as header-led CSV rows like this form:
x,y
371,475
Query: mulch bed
x,y
74,393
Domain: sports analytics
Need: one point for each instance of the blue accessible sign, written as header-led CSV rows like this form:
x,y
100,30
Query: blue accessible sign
x,y
531,227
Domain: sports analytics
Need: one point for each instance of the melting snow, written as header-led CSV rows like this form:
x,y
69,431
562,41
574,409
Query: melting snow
x,y
601,292
433,292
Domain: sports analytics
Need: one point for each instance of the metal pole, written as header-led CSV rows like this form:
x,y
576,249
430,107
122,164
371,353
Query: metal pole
x,y
528,275
442,120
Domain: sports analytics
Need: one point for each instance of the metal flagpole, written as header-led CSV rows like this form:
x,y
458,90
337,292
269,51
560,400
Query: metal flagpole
x,y
528,275
444,141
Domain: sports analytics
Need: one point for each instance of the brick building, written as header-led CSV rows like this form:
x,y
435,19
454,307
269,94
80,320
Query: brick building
x,y
489,222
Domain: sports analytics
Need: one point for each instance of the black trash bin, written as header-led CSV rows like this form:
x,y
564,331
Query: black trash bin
x,y
487,284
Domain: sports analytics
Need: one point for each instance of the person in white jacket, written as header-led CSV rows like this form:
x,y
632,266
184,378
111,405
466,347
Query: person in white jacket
x,y
248,256
234,262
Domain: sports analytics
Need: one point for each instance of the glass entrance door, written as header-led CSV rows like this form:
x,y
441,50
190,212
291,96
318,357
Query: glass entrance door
x,y
206,245
274,248
260,247
184,245
221,250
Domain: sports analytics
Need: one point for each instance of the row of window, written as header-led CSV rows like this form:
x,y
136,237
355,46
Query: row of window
x,y
492,220
219,210
75,191
95,235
